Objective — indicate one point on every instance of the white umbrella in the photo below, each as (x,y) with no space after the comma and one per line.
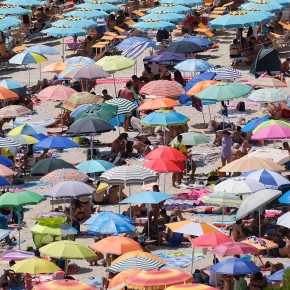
(277,155)
(284,220)
(197,229)
(239,186)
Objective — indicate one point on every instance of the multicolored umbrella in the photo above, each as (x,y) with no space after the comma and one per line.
(224,199)
(13,111)
(76,22)
(200,86)
(269,95)
(192,139)
(118,282)
(55,67)
(87,13)
(194,286)
(171,8)
(101,111)
(157,104)
(23,139)
(56,142)
(56,93)
(164,118)
(163,16)
(193,65)
(195,229)
(11,84)
(272,132)
(269,123)
(64,285)
(210,240)
(47,165)
(234,248)
(27,129)
(79,60)
(95,166)
(166,152)
(42,49)
(65,174)
(260,243)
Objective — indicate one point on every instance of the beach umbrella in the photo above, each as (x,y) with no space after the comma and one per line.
(162,88)
(24,3)
(158,279)
(34,266)
(158,103)
(183,2)
(63,31)
(56,93)
(164,16)
(253,124)
(13,10)
(199,40)
(116,245)
(260,243)
(16,255)
(112,64)
(165,152)
(98,5)
(234,248)
(136,260)
(261,5)
(270,123)
(241,19)
(45,166)
(39,136)
(7,22)
(42,49)
(87,13)
(56,142)
(256,201)
(4,234)
(196,229)
(171,8)
(279,156)
(272,132)
(224,91)
(284,219)
(106,216)
(128,42)
(269,95)
(110,224)
(246,163)
(102,111)
(5,171)
(3,181)
(192,139)
(14,86)
(135,50)
(184,47)
(147,197)
(194,286)
(225,73)
(118,281)
(87,73)
(152,24)
(164,118)
(79,60)
(64,174)
(235,266)
(27,129)
(54,67)
(200,86)
(17,200)
(193,65)
(210,240)
(168,58)
(13,111)
(23,139)
(63,230)
(124,106)
(64,285)
(7,143)
(81,98)
(75,22)
(95,166)
(239,186)
(223,199)
(285,198)
(277,276)
(6,161)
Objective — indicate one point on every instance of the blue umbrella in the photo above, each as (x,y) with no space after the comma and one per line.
(128,42)
(193,65)
(4,181)
(285,198)
(6,162)
(42,49)
(94,166)
(201,41)
(14,10)
(171,8)
(24,3)
(170,17)
(153,25)
(183,2)
(235,266)
(253,124)
(7,22)
(11,84)
(80,60)
(75,22)
(56,142)
(106,215)
(147,197)
(164,118)
(87,13)
(271,179)
(166,57)
(264,6)
(4,233)
(39,136)
(278,276)
(99,6)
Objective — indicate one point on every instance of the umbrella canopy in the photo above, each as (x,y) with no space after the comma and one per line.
(87,73)
(260,243)
(87,13)
(78,99)
(64,285)
(235,266)
(269,123)
(89,125)
(124,106)
(105,216)
(164,118)
(128,42)
(164,165)
(16,199)
(79,60)
(56,93)
(263,6)
(257,200)
(16,255)
(225,73)
(27,58)
(169,153)
(56,142)
(269,95)
(196,229)
(234,248)
(118,281)
(75,22)
(193,65)
(7,95)
(116,245)
(168,57)
(4,181)
(160,279)
(251,163)
(253,124)
(183,2)
(13,10)
(152,24)
(5,171)
(279,156)
(200,86)
(64,30)
(54,230)
(69,189)
(26,129)
(147,197)
(45,166)
(102,111)
(34,266)
(194,286)
(6,161)
(192,139)
(166,16)
(157,104)
(222,199)
(136,260)
(184,47)
(239,186)
(210,240)
(129,175)
(199,40)
(23,139)
(162,88)
(114,63)
(97,5)
(278,276)
(135,50)
(6,22)
(11,84)
(95,166)
(284,220)
(55,67)
(13,111)
(24,3)
(224,91)
(42,49)
(171,8)
(285,198)
(272,132)
(65,174)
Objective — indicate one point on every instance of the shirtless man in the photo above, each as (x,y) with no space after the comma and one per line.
(236,231)
(119,145)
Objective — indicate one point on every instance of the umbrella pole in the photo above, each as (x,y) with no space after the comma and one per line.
(19,225)
(259,222)
(148,225)
(28,75)
(130,203)
(65,266)
(40,71)
(192,257)
(63,48)
(91,145)
(115,85)
(223,219)
(164,181)
(203,118)
(209,111)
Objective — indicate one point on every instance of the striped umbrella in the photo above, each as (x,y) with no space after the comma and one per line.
(124,106)
(225,73)
(126,43)
(65,174)
(6,143)
(129,175)
(14,111)
(136,260)
(269,95)
(56,93)
(136,49)
(5,171)
(224,199)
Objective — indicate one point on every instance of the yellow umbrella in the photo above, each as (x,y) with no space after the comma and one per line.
(23,139)
(102,186)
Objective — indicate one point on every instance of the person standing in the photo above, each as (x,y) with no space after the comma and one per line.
(226,154)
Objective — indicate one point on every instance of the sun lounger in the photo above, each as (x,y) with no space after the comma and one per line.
(139,13)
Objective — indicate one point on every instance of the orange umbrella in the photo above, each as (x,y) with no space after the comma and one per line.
(116,245)
(55,67)
(5,171)
(158,103)
(158,279)
(260,243)
(64,285)
(7,95)
(176,225)
(197,88)
(118,282)
(19,48)
(191,287)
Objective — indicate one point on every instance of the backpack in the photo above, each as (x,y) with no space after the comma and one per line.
(241,107)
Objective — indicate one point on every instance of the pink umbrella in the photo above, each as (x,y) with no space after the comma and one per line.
(56,93)
(5,171)
(234,248)
(272,132)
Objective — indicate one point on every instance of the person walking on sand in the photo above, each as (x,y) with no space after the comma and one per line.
(226,154)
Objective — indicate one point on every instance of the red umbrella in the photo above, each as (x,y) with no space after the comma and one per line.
(164,165)
(210,240)
(234,248)
(56,93)
(169,153)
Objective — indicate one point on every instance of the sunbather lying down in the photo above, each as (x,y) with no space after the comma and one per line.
(208,210)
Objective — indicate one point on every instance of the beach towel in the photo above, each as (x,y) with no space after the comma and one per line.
(94,282)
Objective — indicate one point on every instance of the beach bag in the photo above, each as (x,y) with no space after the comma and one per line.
(241,107)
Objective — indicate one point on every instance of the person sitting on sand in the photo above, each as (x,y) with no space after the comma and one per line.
(257,282)
(236,152)
(39,86)
(119,145)
(236,231)
(116,194)
(255,226)
(237,135)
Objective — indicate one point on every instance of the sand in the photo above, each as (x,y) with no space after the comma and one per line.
(219,56)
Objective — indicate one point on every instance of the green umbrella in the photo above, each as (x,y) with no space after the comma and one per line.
(224,91)
(192,139)
(100,111)
(18,200)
